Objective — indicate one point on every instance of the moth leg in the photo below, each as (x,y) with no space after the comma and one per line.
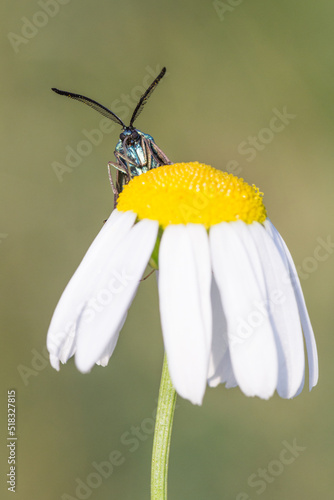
(148,275)
(109,174)
(122,173)
(118,166)
(161,156)
(122,164)
(113,187)
(145,145)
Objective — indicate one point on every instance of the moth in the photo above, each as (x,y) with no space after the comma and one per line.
(136,152)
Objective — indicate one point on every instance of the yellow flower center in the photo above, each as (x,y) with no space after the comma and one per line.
(191,192)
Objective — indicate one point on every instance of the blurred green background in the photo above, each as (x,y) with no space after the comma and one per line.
(230,64)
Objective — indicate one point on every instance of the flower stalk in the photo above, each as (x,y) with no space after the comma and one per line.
(162,435)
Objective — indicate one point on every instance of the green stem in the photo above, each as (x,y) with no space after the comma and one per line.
(162,436)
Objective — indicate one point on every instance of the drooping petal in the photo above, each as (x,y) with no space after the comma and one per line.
(240,280)
(106,355)
(66,347)
(304,317)
(103,314)
(224,373)
(63,327)
(185,308)
(284,314)
(220,367)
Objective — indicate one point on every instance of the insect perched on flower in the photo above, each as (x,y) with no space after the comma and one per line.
(135,152)
(231,306)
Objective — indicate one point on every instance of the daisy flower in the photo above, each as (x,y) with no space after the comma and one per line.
(231,305)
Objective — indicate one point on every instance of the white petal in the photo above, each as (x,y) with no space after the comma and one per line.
(62,330)
(240,280)
(224,373)
(104,360)
(220,368)
(185,308)
(103,314)
(54,361)
(283,313)
(304,317)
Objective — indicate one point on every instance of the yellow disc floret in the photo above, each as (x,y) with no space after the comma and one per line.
(191,193)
